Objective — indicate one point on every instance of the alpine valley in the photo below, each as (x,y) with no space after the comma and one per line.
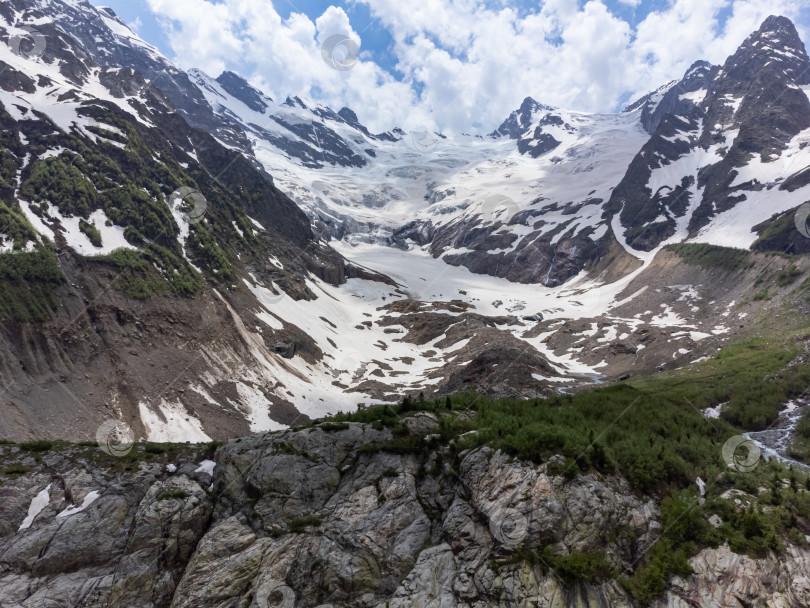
(183,254)
(335,267)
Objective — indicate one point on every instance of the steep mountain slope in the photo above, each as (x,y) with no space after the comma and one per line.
(105,39)
(106,275)
(730,137)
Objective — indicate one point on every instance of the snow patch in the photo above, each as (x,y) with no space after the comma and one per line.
(39,502)
(88,500)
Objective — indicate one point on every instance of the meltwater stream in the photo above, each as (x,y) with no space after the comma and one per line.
(775,440)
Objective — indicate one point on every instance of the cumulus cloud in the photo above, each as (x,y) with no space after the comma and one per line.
(135,25)
(463,65)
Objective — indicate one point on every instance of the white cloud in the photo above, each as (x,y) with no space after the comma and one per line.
(282,57)
(471,63)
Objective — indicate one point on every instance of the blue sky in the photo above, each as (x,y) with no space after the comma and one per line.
(376,38)
(453,64)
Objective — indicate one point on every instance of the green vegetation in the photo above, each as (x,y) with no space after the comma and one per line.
(712,256)
(650,430)
(15,226)
(331,427)
(663,560)
(28,281)
(576,567)
(788,275)
(151,271)
(582,567)
(91,231)
(16,469)
(213,259)
(37,446)
(779,234)
(300,524)
(131,184)
(752,377)
(173,495)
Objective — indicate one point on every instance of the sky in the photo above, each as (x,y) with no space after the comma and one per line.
(451,65)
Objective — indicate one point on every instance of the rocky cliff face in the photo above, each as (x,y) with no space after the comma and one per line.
(722,139)
(325,517)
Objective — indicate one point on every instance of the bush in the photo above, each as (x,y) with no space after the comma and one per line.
(761,295)
(332,427)
(173,495)
(37,446)
(662,561)
(582,568)
(300,524)
(713,256)
(27,283)
(91,231)
(788,275)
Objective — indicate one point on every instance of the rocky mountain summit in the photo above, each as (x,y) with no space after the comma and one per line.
(329,516)
(723,138)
